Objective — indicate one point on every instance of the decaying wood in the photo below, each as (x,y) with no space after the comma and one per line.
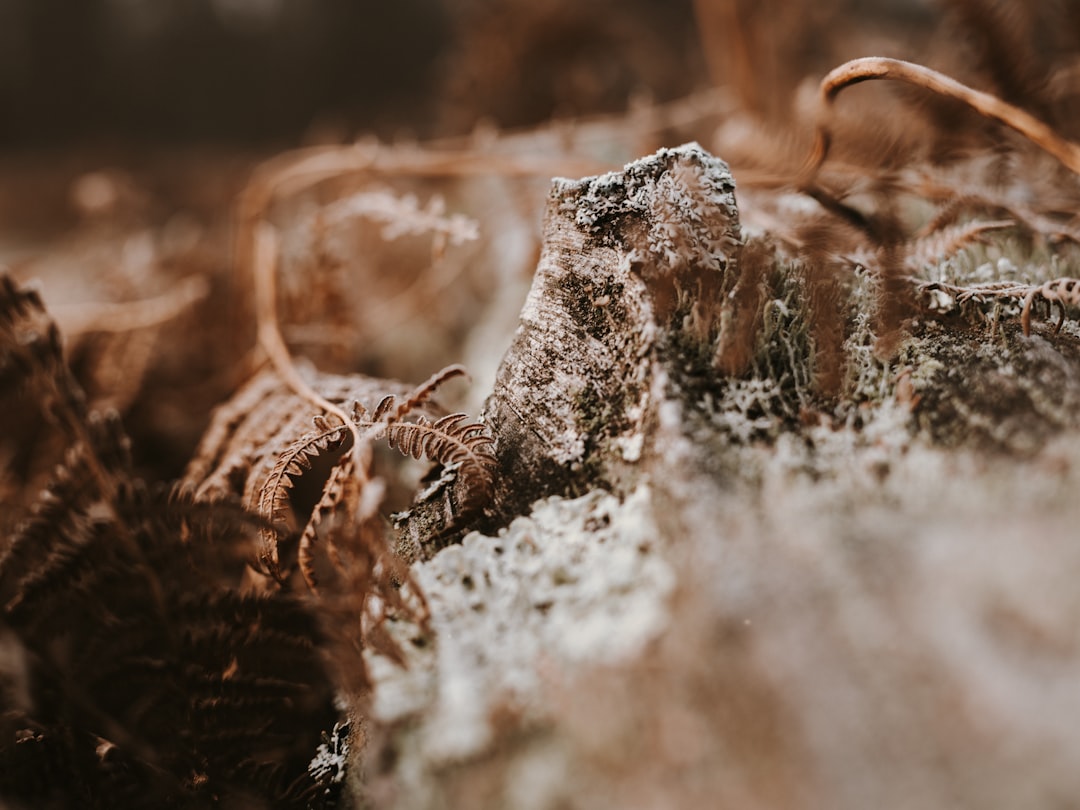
(628,290)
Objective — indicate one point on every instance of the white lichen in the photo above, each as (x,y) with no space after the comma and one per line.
(576,583)
(685,195)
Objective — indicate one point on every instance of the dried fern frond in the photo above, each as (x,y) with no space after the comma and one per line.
(385,419)
(345,558)
(163,661)
(295,466)
(153,681)
(1064,292)
(451,441)
(332,501)
(170,664)
(419,396)
(934,245)
(32,357)
(267,448)
(273,501)
(938,245)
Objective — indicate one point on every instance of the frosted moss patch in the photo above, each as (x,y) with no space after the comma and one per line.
(578,582)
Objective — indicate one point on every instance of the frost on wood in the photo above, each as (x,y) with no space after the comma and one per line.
(576,583)
(631,275)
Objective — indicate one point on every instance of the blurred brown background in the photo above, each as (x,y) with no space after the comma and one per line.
(258,71)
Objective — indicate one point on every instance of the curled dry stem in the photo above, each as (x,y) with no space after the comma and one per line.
(264,264)
(875,67)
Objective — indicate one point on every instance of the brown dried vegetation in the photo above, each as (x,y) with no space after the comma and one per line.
(907,182)
(184,645)
(139,671)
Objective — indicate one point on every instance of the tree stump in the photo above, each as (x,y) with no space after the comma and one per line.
(624,308)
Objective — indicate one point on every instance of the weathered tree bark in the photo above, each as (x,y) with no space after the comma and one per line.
(625,294)
(624,307)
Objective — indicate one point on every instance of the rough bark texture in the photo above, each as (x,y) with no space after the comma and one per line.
(745,587)
(632,263)
(625,300)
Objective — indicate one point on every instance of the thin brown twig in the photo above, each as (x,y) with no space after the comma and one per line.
(876,67)
(264,265)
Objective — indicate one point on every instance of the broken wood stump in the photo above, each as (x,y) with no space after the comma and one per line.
(625,300)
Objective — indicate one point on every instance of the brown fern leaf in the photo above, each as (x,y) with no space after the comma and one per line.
(69,493)
(382,410)
(32,359)
(456,444)
(957,204)
(423,392)
(261,447)
(933,247)
(1065,292)
(37,384)
(153,681)
(343,555)
(346,544)
(251,431)
(27,335)
(334,493)
(227,419)
(450,441)
(386,412)
(163,660)
(1054,222)
(274,497)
